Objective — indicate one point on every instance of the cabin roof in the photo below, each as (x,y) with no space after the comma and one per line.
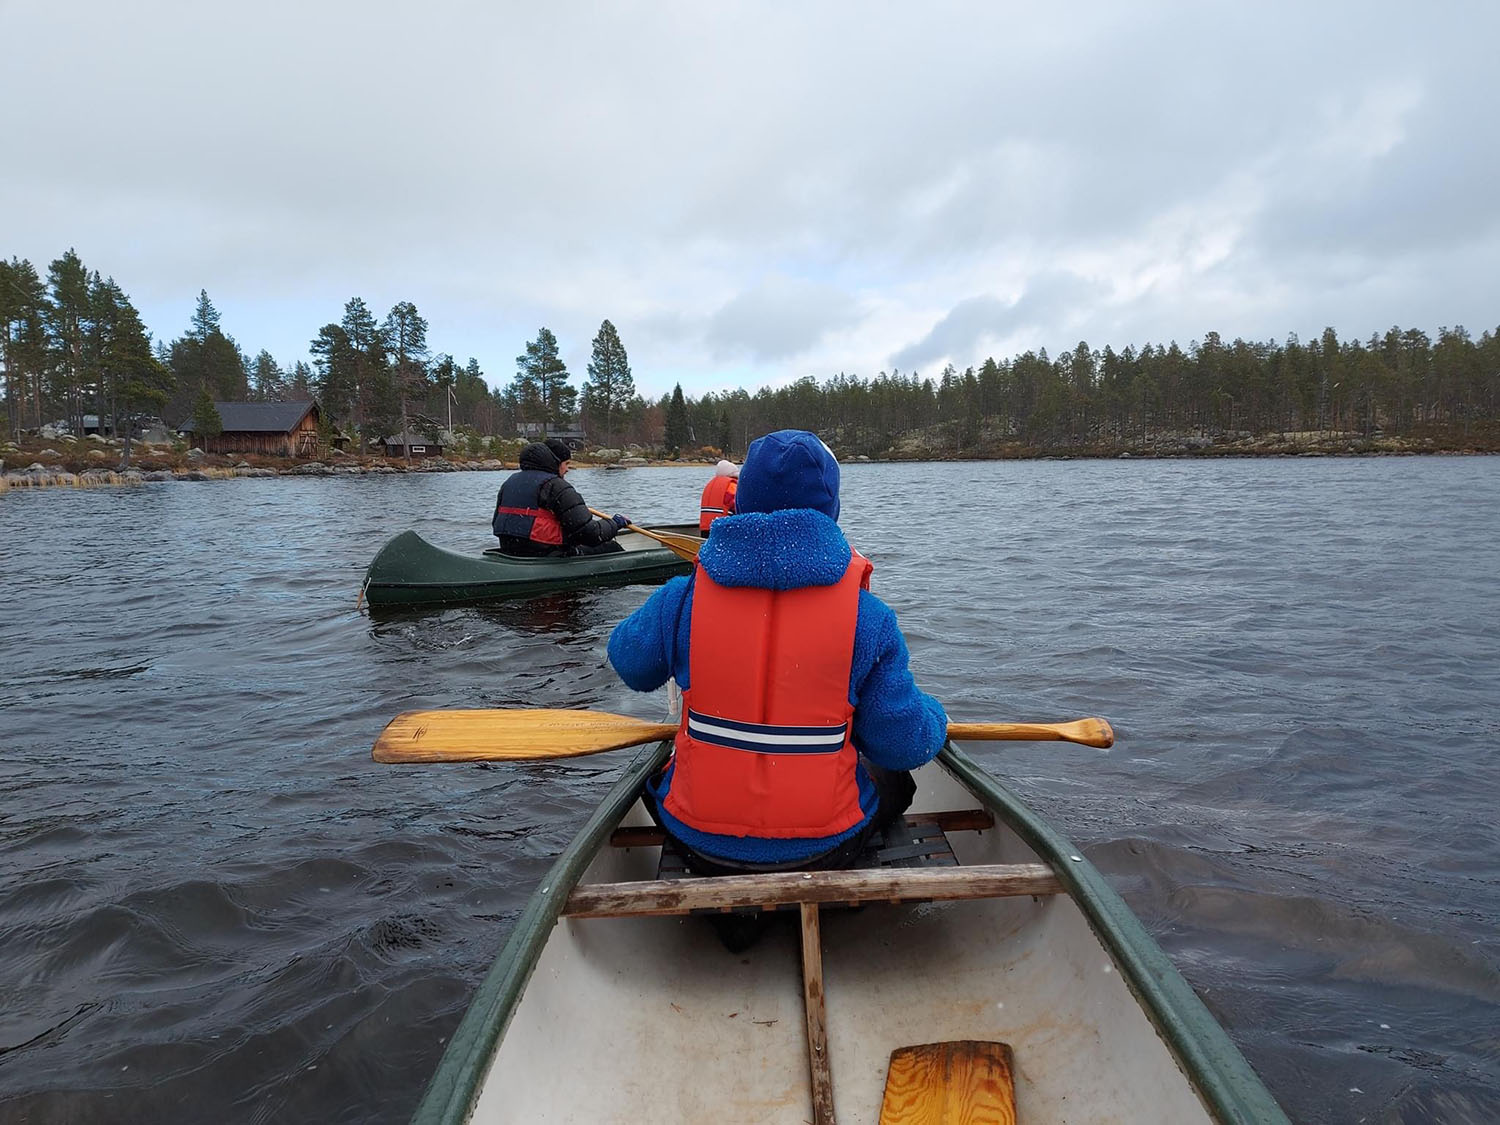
(411,438)
(258,417)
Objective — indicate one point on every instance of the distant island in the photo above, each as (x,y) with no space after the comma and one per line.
(85,383)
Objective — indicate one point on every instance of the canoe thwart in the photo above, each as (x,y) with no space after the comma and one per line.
(726,892)
(963,1082)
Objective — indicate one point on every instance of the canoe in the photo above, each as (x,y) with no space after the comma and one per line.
(1009,969)
(409,571)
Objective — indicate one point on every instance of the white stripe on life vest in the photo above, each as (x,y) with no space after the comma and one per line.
(719,511)
(835,738)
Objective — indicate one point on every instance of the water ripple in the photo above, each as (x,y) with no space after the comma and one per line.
(210,897)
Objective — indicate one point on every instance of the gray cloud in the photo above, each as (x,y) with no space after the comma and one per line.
(779,319)
(973,327)
(508,166)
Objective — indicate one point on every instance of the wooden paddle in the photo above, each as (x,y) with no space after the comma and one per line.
(517,735)
(683,546)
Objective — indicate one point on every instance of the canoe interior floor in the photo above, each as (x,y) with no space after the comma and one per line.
(935,1084)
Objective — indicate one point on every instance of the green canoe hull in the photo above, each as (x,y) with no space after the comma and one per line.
(409,571)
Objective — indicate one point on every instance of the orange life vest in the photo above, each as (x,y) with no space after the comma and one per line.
(718,500)
(765,745)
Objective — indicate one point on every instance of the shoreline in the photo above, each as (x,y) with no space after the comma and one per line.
(88,468)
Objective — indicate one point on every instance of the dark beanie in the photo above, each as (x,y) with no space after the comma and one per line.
(789,469)
(559,448)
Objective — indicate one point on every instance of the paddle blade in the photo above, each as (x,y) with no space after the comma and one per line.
(683,546)
(509,735)
(1085,732)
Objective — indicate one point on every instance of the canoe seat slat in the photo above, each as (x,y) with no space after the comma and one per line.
(919,884)
(964,1082)
(921,825)
(937,850)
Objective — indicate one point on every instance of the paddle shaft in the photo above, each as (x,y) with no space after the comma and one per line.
(682,546)
(501,735)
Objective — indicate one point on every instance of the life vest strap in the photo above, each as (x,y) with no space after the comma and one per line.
(766,738)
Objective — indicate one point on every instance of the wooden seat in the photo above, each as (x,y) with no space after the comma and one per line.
(963,1082)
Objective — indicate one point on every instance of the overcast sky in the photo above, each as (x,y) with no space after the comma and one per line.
(756,192)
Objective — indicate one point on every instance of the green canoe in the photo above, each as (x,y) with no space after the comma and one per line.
(409,571)
(610,1003)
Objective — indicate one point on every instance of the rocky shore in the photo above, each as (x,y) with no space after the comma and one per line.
(94,462)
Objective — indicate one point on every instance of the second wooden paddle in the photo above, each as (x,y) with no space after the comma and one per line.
(524,735)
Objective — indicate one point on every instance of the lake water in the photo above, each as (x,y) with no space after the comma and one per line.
(214,906)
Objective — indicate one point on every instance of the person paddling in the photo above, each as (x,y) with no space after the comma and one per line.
(718,495)
(800,715)
(539,514)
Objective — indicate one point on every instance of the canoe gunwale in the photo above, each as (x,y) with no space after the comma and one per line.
(455,1085)
(1224,1080)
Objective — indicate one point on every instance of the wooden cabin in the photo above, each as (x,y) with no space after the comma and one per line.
(541,431)
(409,444)
(280,429)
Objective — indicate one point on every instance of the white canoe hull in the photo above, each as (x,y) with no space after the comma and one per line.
(651,1019)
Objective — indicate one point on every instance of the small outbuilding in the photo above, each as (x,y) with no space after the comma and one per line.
(409,444)
(281,429)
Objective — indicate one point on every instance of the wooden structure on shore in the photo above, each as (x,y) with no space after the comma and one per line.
(279,429)
(411,444)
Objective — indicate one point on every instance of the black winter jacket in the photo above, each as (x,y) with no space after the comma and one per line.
(560,498)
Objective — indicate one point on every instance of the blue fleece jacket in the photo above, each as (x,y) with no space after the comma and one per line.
(895,724)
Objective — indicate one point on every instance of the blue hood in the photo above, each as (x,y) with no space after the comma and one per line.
(775,550)
(789,469)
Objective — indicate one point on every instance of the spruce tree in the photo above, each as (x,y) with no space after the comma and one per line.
(677,422)
(333,356)
(206,420)
(266,378)
(609,385)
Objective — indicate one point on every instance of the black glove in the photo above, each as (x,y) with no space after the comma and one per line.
(621,522)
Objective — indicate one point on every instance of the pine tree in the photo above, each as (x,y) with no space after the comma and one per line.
(405,336)
(23,341)
(130,372)
(609,385)
(677,422)
(373,388)
(541,382)
(67,316)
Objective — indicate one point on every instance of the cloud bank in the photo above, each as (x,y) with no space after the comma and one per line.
(756,192)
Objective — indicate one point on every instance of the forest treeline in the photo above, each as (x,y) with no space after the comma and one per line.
(72,344)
